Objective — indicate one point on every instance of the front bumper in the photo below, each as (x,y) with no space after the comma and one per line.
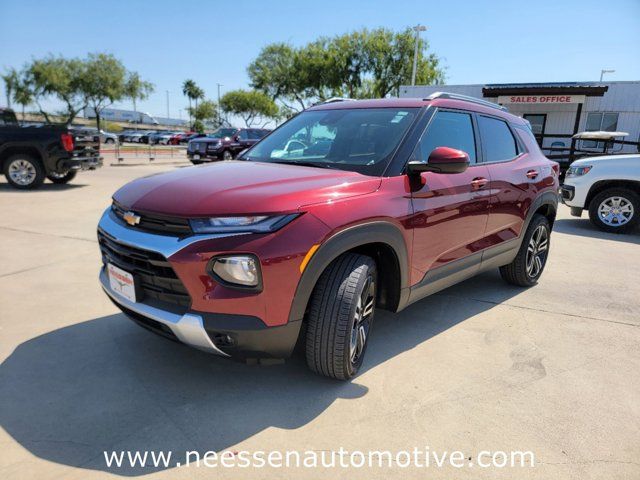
(209,155)
(241,334)
(187,328)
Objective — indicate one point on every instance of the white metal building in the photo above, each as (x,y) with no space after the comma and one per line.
(559,108)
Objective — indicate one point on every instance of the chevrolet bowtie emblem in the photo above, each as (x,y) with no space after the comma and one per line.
(131,218)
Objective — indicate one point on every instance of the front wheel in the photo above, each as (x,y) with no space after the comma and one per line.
(616,210)
(527,267)
(64,177)
(227,155)
(340,316)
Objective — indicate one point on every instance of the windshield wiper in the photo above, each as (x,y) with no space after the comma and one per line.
(303,163)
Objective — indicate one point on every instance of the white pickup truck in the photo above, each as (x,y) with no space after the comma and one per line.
(608,186)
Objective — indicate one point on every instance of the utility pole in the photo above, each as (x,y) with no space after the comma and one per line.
(602,72)
(168,116)
(418,28)
(219,108)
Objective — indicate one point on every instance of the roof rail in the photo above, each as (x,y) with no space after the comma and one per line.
(465,98)
(335,99)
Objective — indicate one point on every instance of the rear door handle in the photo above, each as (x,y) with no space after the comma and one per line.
(478,183)
(532,174)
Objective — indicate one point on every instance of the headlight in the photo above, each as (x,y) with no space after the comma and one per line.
(248,224)
(578,171)
(239,270)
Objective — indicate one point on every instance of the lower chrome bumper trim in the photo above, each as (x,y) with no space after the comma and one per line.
(189,328)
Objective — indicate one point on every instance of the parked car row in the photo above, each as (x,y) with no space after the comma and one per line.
(87,134)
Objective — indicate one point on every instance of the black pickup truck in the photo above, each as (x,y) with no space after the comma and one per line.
(30,154)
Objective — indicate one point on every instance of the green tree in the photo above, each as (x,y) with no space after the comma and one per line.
(274,73)
(207,111)
(104,82)
(137,89)
(361,64)
(252,106)
(10,79)
(61,78)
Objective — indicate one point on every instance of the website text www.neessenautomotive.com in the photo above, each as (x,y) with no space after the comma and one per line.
(339,459)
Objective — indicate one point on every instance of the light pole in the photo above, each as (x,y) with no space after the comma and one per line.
(418,28)
(168,116)
(602,72)
(219,109)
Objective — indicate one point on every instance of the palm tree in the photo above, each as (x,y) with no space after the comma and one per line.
(188,88)
(198,94)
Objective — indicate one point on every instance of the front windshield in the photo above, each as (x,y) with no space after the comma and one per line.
(356,139)
(223,132)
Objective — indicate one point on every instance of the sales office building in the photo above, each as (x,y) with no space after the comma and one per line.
(559,108)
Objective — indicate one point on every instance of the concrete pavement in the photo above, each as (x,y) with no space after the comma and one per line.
(554,369)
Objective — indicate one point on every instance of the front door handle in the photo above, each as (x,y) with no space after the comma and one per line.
(532,174)
(478,183)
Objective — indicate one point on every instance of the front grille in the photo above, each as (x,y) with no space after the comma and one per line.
(153,274)
(153,222)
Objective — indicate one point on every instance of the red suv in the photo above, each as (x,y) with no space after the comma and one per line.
(347,207)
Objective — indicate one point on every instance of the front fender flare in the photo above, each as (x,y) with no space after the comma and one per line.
(341,242)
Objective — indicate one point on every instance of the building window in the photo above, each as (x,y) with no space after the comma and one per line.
(600,122)
(538,121)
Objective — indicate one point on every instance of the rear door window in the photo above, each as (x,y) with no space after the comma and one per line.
(498,142)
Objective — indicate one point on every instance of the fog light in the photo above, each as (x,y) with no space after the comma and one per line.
(241,270)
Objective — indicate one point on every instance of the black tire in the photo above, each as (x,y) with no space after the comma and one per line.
(631,202)
(33,165)
(62,178)
(227,155)
(341,310)
(109,140)
(521,272)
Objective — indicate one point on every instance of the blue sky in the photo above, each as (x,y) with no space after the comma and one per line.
(214,41)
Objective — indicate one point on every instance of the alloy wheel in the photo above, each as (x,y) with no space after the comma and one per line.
(22,172)
(537,251)
(615,211)
(363,316)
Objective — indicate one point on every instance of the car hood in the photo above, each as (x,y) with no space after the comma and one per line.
(241,187)
(605,159)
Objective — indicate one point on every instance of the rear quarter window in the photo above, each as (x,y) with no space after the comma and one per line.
(498,142)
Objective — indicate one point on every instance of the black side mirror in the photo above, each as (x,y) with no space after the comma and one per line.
(441,160)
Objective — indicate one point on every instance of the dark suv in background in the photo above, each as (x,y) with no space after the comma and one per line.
(224,144)
(347,207)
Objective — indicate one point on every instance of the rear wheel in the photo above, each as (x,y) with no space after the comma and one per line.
(527,267)
(615,210)
(340,316)
(24,172)
(227,155)
(64,177)
(109,140)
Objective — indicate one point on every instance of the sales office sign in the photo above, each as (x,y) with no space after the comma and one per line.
(541,99)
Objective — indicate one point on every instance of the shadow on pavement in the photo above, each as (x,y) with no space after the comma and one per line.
(46,186)
(106,384)
(584,228)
